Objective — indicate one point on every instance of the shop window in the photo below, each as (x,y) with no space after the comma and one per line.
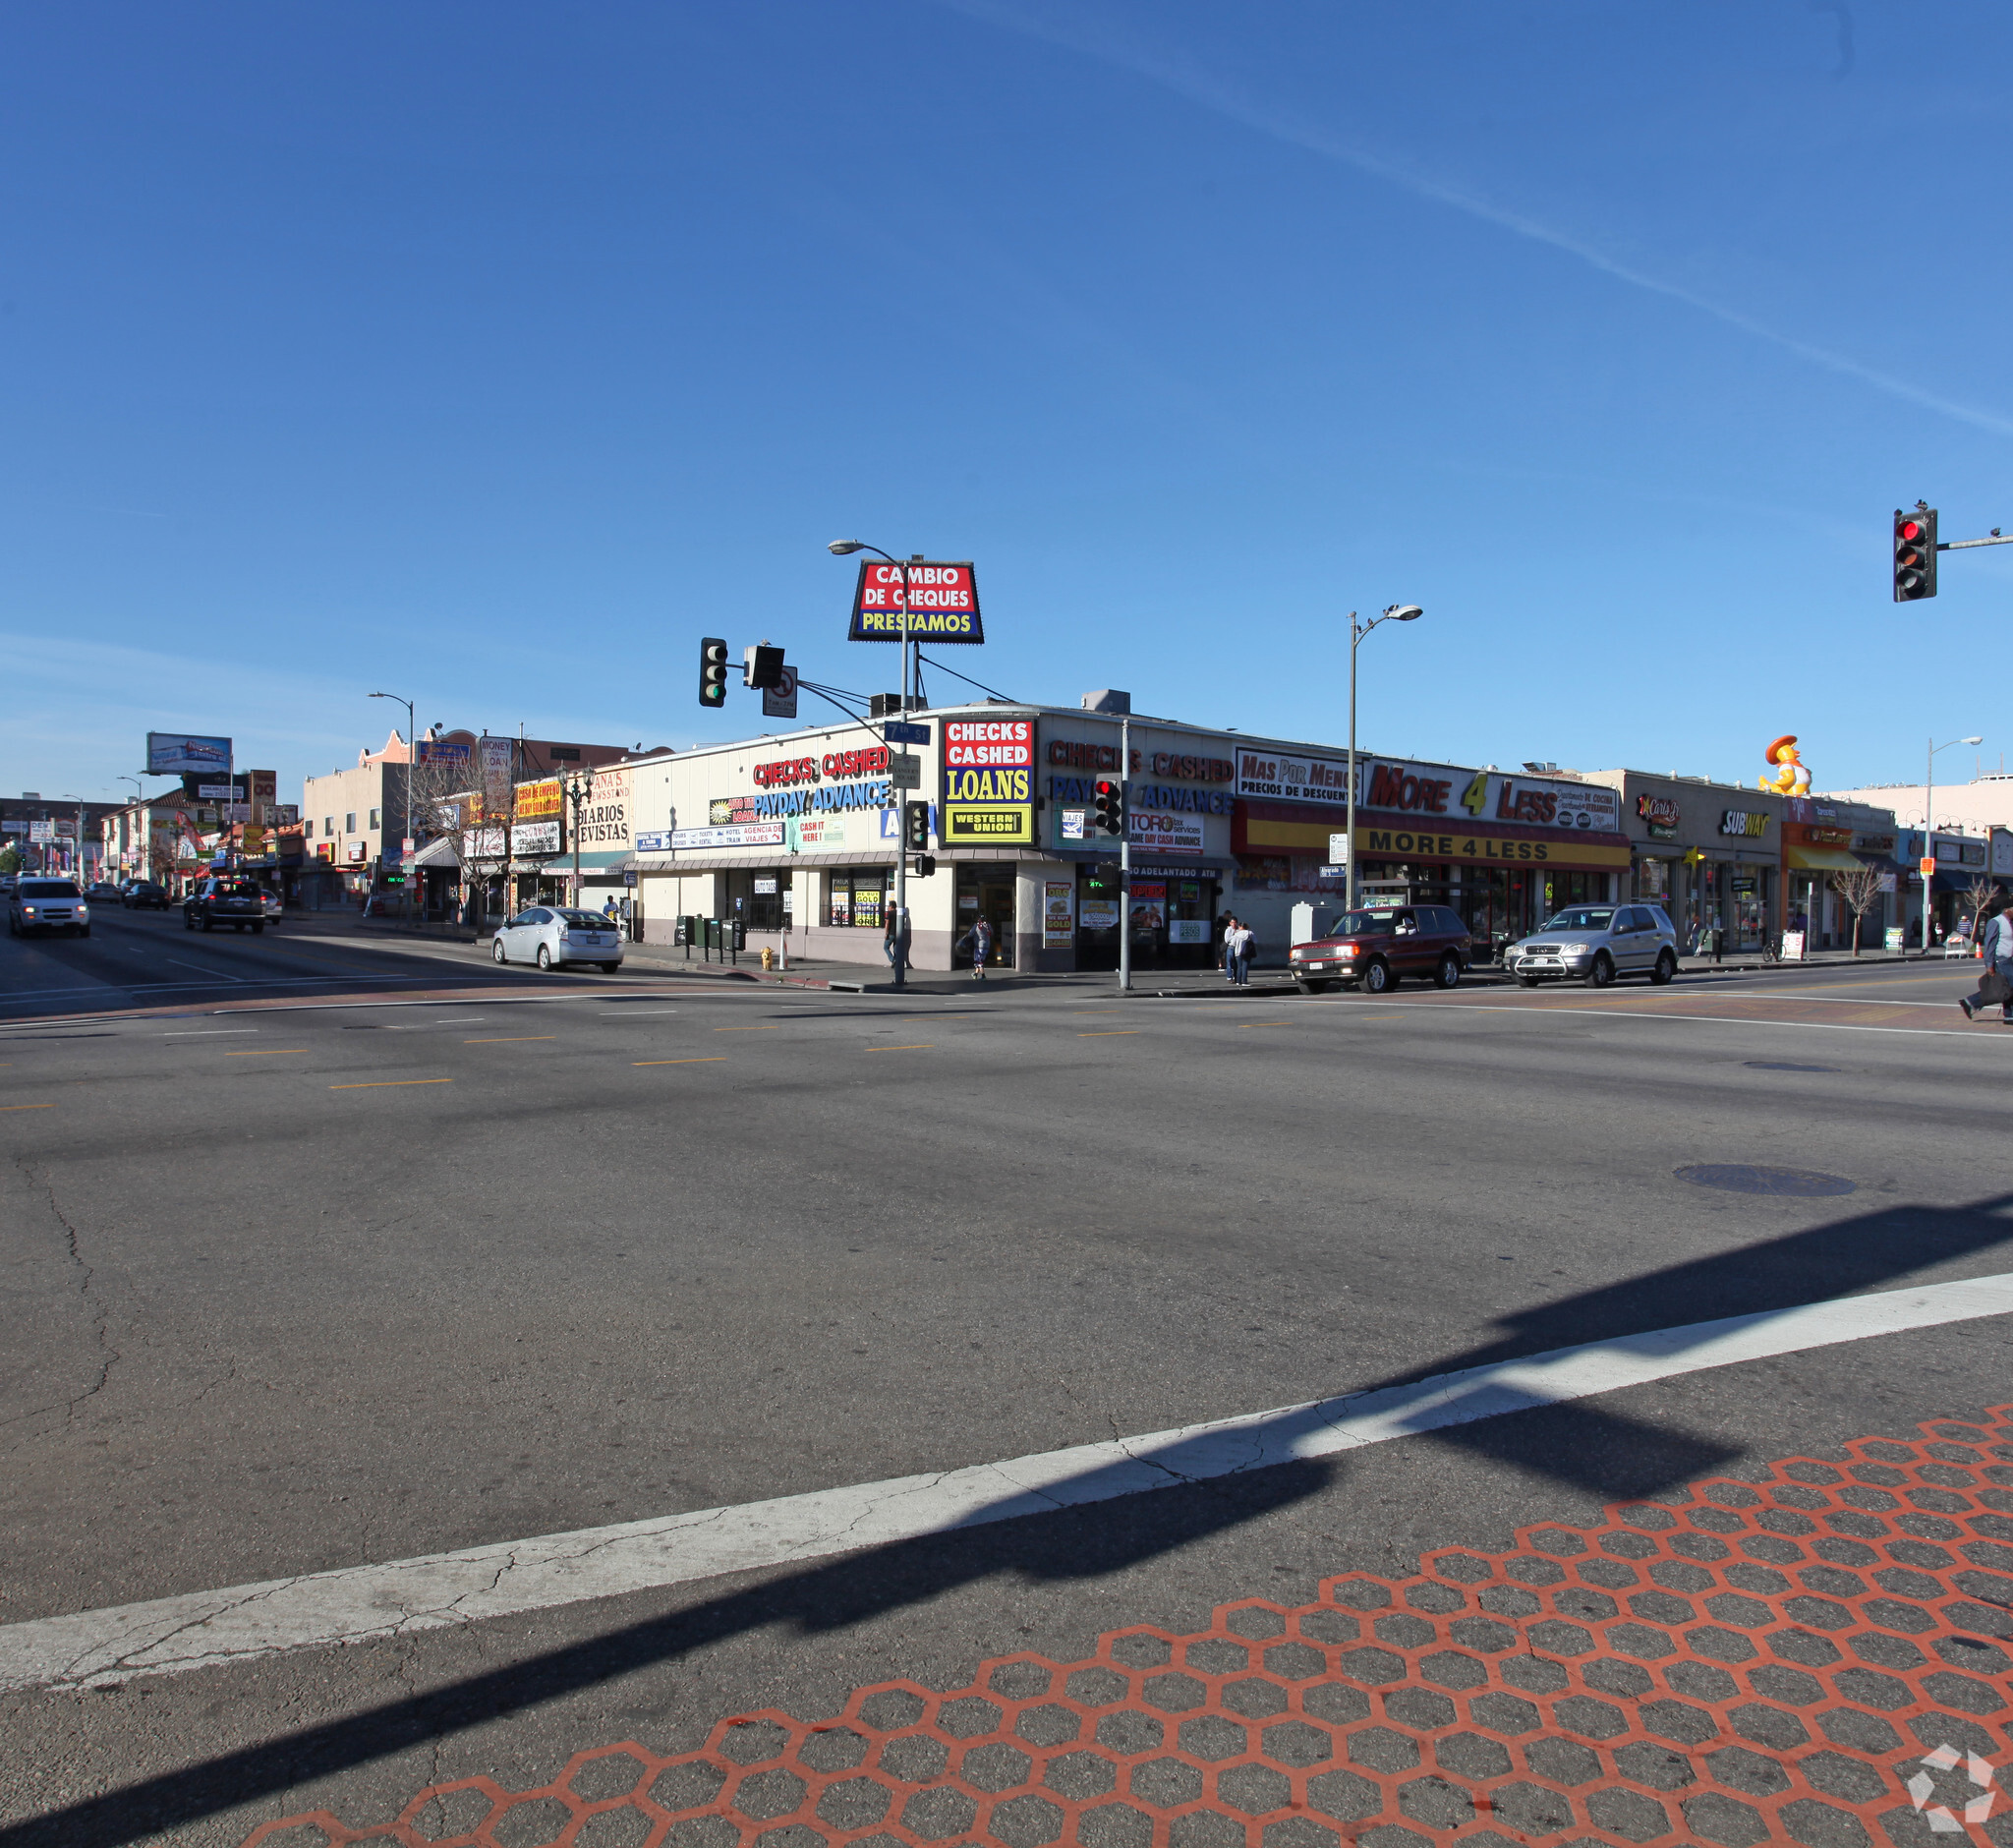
(1654,880)
(856,900)
(769,902)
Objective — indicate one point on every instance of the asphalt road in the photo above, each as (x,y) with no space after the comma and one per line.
(341,1274)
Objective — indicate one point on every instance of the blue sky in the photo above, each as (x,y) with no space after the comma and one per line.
(497,353)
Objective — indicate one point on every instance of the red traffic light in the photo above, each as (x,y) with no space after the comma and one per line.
(1915,554)
(1910,529)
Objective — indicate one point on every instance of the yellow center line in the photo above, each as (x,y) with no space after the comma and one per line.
(514,1039)
(28,1106)
(714,1059)
(379,1084)
(1244,1027)
(267,1052)
(1110,1033)
(925,1046)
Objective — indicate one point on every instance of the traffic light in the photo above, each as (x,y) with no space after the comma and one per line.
(915,826)
(712,671)
(1110,806)
(925,866)
(1914,553)
(764,668)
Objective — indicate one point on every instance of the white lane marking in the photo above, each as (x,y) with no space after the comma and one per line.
(216,975)
(1720,1019)
(356,1603)
(207,1032)
(639,1013)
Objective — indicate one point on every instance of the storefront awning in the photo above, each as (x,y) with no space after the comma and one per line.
(1822,860)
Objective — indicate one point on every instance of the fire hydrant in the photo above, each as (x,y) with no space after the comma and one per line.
(767,958)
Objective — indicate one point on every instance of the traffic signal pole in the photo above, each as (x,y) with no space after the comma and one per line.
(1126,858)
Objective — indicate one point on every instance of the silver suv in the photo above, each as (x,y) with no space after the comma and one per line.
(1595,942)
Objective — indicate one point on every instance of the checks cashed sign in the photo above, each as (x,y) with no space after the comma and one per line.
(988,783)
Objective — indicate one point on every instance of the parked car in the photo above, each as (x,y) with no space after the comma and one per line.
(46,905)
(1376,947)
(552,935)
(1594,944)
(273,906)
(100,889)
(228,900)
(143,894)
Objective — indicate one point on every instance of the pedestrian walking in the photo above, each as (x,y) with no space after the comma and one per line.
(1237,953)
(1223,921)
(980,937)
(1996,981)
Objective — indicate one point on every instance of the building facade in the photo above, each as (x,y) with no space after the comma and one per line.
(798,835)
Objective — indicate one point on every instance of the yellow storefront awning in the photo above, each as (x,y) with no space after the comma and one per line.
(1823,860)
(1380,840)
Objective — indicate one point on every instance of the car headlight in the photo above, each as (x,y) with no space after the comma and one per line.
(28,910)
(84,910)
(1348,950)
(1575,950)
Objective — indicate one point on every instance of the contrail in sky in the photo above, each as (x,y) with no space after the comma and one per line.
(1212,93)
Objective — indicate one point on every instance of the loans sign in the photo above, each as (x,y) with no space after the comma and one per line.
(988,783)
(943,603)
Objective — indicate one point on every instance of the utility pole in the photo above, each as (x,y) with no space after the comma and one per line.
(579,787)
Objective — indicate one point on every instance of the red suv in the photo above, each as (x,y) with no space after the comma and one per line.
(1376,947)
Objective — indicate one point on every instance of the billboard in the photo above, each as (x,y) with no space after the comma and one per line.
(943,603)
(180,753)
(433,751)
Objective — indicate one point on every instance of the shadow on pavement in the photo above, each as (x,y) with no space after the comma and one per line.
(1596,1450)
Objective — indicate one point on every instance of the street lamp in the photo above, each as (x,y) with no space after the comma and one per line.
(70,796)
(1928,832)
(412,758)
(840,548)
(144,817)
(1396,612)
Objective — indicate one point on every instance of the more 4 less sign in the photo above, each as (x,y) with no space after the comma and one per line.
(988,783)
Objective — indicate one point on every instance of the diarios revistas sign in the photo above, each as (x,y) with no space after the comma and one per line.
(943,603)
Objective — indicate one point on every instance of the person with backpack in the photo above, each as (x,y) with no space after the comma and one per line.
(980,938)
(1996,981)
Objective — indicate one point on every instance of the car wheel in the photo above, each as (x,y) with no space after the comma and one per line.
(498,949)
(1449,972)
(209,922)
(84,930)
(1378,978)
(188,920)
(1602,972)
(1666,968)
(545,956)
(1526,981)
(259,930)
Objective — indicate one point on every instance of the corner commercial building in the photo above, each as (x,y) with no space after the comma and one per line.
(798,835)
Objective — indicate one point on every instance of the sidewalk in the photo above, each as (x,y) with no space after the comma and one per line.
(1805,1656)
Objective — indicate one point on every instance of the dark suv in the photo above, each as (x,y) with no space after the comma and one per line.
(227,901)
(1376,947)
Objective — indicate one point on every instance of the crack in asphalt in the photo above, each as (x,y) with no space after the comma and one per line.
(108,1355)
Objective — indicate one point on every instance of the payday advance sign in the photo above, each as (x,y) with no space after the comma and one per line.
(988,783)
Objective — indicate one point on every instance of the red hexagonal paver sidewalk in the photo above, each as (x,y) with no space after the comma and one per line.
(1758,1663)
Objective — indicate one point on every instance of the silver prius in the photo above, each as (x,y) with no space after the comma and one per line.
(1594,944)
(552,935)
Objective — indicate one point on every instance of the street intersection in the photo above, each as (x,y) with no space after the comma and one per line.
(439,1394)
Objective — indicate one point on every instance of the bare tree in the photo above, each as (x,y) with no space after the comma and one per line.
(1978,898)
(1858,889)
(446,808)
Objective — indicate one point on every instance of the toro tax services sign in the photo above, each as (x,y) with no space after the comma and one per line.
(988,783)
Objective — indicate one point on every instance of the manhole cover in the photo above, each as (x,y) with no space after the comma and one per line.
(1743,1177)
(1779,1065)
